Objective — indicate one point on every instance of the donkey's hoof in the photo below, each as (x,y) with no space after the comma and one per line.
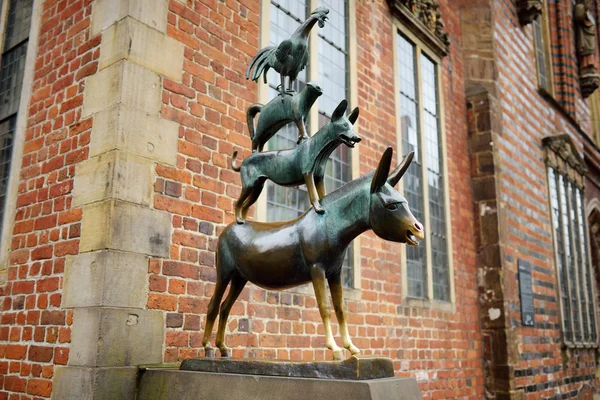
(240,221)
(209,352)
(353,350)
(225,352)
(338,355)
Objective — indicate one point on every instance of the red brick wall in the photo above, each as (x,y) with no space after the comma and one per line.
(527,117)
(442,349)
(35,332)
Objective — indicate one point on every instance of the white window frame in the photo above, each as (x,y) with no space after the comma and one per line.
(420,47)
(19,138)
(313,71)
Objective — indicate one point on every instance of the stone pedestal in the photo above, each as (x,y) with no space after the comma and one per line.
(172,384)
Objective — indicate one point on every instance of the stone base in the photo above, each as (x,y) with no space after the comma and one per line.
(171,384)
(354,368)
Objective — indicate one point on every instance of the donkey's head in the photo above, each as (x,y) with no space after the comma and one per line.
(341,127)
(389,215)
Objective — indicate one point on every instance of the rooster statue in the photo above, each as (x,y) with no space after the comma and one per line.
(291,56)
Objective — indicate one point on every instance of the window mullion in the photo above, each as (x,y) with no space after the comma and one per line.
(587,262)
(573,220)
(557,234)
(563,229)
(423,144)
(571,264)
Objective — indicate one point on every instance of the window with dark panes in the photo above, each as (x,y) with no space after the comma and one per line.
(543,51)
(427,265)
(565,185)
(332,57)
(12,67)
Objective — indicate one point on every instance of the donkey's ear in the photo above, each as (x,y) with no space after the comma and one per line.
(340,110)
(353,116)
(398,172)
(382,171)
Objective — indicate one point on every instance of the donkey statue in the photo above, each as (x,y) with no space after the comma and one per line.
(311,248)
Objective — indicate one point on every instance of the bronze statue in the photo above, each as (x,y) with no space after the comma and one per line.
(291,56)
(311,248)
(293,167)
(279,112)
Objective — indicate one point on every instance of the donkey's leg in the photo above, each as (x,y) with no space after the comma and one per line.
(237,284)
(318,280)
(211,315)
(335,286)
(309,179)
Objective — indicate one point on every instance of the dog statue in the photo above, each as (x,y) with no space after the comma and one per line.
(303,164)
(280,111)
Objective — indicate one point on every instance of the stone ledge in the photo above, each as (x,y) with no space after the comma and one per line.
(164,384)
(354,368)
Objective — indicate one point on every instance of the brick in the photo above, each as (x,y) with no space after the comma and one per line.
(39,387)
(162,302)
(40,353)
(53,317)
(180,269)
(15,352)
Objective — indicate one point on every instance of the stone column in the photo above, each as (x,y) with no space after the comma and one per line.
(106,284)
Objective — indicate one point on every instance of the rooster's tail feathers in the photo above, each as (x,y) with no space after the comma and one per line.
(259,68)
(258,59)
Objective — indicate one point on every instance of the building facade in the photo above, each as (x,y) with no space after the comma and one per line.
(118,121)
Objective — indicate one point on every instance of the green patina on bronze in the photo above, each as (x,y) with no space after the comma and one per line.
(304,164)
(279,112)
(310,248)
(354,368)
(291,56)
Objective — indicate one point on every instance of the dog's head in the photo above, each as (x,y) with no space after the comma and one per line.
(343,126)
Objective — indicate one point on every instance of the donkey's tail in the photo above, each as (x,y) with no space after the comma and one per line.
(250,114)
(234,165)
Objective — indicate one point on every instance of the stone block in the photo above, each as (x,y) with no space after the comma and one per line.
(114,175)
(136,132)
(169,384)
(151,12)
(115,337)
(118,225)
(132,40)
(105,278)
(123,83)
(79,383)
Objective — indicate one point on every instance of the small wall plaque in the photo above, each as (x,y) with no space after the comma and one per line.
(526,293)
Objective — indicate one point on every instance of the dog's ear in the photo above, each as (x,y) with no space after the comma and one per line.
(340,110)
(353,116)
